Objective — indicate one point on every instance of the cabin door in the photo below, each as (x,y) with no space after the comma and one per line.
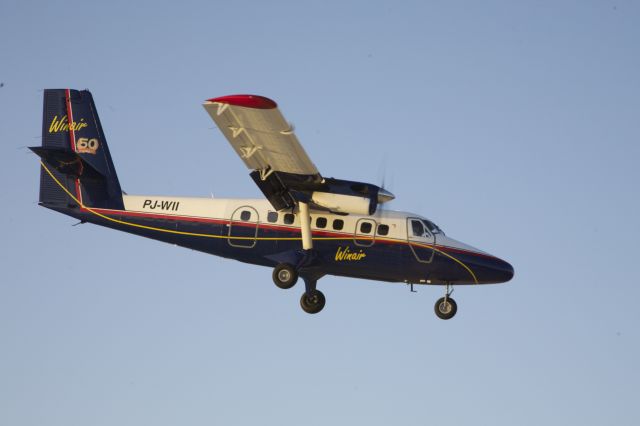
(243,227)
(421,241)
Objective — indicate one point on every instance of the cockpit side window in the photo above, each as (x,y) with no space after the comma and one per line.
(432,226)
(418,228)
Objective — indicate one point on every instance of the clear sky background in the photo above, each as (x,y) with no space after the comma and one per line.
(514,126)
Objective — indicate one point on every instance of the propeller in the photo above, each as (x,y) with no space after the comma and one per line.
(384,195)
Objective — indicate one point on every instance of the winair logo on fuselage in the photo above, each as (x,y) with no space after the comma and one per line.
(344,254)
(62,124)
(161,205)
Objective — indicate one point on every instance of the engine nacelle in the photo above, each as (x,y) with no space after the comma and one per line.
(284,190)
(341,203)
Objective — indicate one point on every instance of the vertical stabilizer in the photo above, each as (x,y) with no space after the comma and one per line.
(75,152)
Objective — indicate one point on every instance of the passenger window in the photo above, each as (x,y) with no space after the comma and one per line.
(338,224)
(272,217)
(288,218)
(245,215)
(383,229)
(321,222)
(418,228)
(365,227)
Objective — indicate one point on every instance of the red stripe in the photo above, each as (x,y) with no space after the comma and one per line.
(160,216)
(72,138)
(448,249)
(282,228)
(78,192)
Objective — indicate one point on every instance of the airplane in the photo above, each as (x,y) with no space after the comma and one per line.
(307,226)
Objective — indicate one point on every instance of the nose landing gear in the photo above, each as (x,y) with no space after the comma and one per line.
(446,307)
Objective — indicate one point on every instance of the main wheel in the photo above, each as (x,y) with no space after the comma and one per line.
(312,302)
(446,308)
(285,276)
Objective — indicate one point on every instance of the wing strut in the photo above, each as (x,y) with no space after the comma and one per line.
(305,226)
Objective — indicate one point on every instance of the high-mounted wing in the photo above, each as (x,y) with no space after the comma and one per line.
(281,168)
(260,135)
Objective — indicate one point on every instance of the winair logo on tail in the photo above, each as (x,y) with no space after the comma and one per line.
(161,205)
(62,124)
(344,254)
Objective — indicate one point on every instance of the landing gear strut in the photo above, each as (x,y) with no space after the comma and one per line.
(285,275)
(446,307)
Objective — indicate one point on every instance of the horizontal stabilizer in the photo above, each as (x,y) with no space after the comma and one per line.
(67,162)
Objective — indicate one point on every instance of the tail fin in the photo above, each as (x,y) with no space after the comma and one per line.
(77,166)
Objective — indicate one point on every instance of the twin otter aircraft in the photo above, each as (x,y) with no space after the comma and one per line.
(308,226)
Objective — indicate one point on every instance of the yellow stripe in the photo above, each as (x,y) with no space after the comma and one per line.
(475,280)
(194,234)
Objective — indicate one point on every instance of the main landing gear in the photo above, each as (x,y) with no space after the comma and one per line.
(286,275)
(312,301)
(446,307)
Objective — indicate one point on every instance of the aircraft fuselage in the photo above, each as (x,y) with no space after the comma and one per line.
(382,246)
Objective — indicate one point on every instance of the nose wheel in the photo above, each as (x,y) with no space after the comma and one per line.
(446,307)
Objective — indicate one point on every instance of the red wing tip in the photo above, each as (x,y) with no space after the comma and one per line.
(248,101)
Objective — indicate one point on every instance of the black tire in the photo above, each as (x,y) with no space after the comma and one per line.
(285,276)
(313,302)
(446,308)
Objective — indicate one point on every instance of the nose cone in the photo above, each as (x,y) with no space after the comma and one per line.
(491,270)
(501,271)
(485,268)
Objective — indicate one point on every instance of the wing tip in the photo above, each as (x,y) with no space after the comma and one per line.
(248,101)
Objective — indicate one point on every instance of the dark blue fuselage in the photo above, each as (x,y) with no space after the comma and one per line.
(383,259)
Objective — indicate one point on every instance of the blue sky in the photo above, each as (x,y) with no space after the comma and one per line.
(513,125)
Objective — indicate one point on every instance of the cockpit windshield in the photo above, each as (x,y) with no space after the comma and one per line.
(432,227)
